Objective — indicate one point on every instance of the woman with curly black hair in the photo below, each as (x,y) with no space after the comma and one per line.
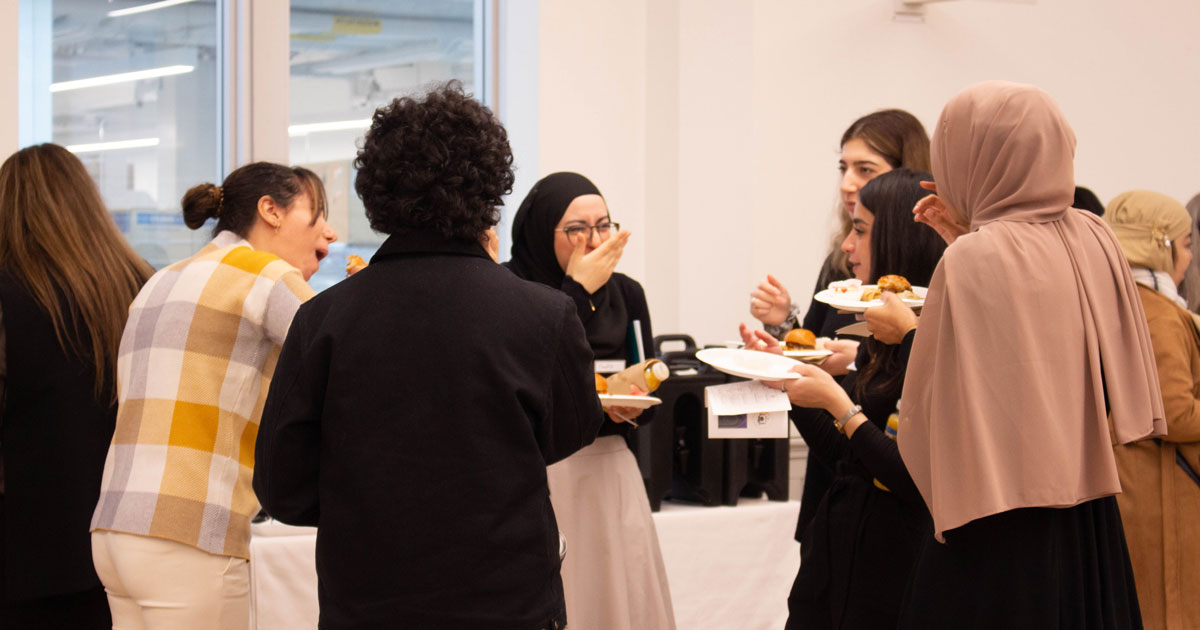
(613,574)
(417,404)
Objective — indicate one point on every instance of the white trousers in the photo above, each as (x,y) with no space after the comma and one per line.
(157,584)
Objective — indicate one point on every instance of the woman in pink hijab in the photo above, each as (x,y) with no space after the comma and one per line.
(1031,359)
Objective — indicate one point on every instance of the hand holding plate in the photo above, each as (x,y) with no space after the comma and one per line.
(844,353)
(892,321)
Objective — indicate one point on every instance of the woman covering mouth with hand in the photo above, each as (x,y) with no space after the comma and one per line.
(613,574)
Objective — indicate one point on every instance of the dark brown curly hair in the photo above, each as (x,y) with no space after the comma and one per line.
(437,162)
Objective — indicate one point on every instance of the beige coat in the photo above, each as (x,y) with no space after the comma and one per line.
(1160,504)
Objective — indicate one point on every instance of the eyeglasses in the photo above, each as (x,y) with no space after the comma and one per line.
(579,232)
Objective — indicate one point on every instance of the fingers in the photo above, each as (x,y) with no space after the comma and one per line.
(776,284)
(765,297)
(578,253)
(926,202)
(766,338)
(747,336)
(805,369)
(767,289)
(929,186)
(609,252)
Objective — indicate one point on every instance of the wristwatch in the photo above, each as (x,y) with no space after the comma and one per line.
(840,423)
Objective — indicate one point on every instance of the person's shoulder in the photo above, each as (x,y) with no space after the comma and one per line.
(626,284)
(1161,311)
(524,289)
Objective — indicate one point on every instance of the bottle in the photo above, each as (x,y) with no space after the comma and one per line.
(647,376)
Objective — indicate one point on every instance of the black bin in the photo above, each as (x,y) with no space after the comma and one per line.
(754,467)
(676,457)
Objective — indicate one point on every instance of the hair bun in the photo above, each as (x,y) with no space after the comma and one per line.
(201,203)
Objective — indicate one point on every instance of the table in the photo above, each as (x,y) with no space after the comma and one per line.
(728,567)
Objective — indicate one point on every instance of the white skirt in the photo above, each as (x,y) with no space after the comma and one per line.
(613,575)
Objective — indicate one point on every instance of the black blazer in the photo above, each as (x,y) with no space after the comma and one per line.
(55,438)
(411,417)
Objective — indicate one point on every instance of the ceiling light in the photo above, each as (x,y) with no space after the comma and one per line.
(147,7)
(340,125)
(123,77)
(139,143)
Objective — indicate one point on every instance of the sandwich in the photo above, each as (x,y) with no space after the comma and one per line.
(800,339)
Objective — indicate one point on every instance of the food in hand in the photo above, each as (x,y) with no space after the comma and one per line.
(896,284)
(354,263)
(800,339)
(601,384)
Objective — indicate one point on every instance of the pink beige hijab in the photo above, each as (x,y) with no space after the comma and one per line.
(1032,318)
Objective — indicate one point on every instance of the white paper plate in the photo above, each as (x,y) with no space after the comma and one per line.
(808,356)
(637,402)
(852,301)
(760,366)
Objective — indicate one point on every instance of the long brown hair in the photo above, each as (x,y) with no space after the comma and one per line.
(58,240)
(902,141)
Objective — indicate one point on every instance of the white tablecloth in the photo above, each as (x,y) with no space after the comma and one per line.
(728,567)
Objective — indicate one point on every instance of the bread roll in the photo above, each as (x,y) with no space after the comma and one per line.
(800,339)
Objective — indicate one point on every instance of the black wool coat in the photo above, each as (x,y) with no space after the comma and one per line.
(411,417)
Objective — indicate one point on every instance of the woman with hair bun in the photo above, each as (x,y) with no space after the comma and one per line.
(66,281)
(171,532)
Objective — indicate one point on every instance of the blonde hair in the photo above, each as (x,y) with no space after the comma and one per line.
(59,242)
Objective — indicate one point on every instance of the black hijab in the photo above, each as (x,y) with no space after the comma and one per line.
(533,258)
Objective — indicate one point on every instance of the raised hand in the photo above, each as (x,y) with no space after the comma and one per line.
(939,215)
(770,302)
(759,340)
(594,269)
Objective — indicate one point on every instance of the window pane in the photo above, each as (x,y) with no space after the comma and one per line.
(134,94)
(347,59)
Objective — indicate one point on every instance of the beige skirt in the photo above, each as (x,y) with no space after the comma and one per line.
(613,575)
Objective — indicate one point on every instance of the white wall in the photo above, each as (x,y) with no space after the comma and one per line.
(591,105)
(712,125)
(8,59)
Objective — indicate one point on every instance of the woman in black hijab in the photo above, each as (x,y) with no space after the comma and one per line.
(613,575)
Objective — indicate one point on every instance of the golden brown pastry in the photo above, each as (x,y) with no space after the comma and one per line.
(354,263)
(800,339)
(895,284)
(601,384)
